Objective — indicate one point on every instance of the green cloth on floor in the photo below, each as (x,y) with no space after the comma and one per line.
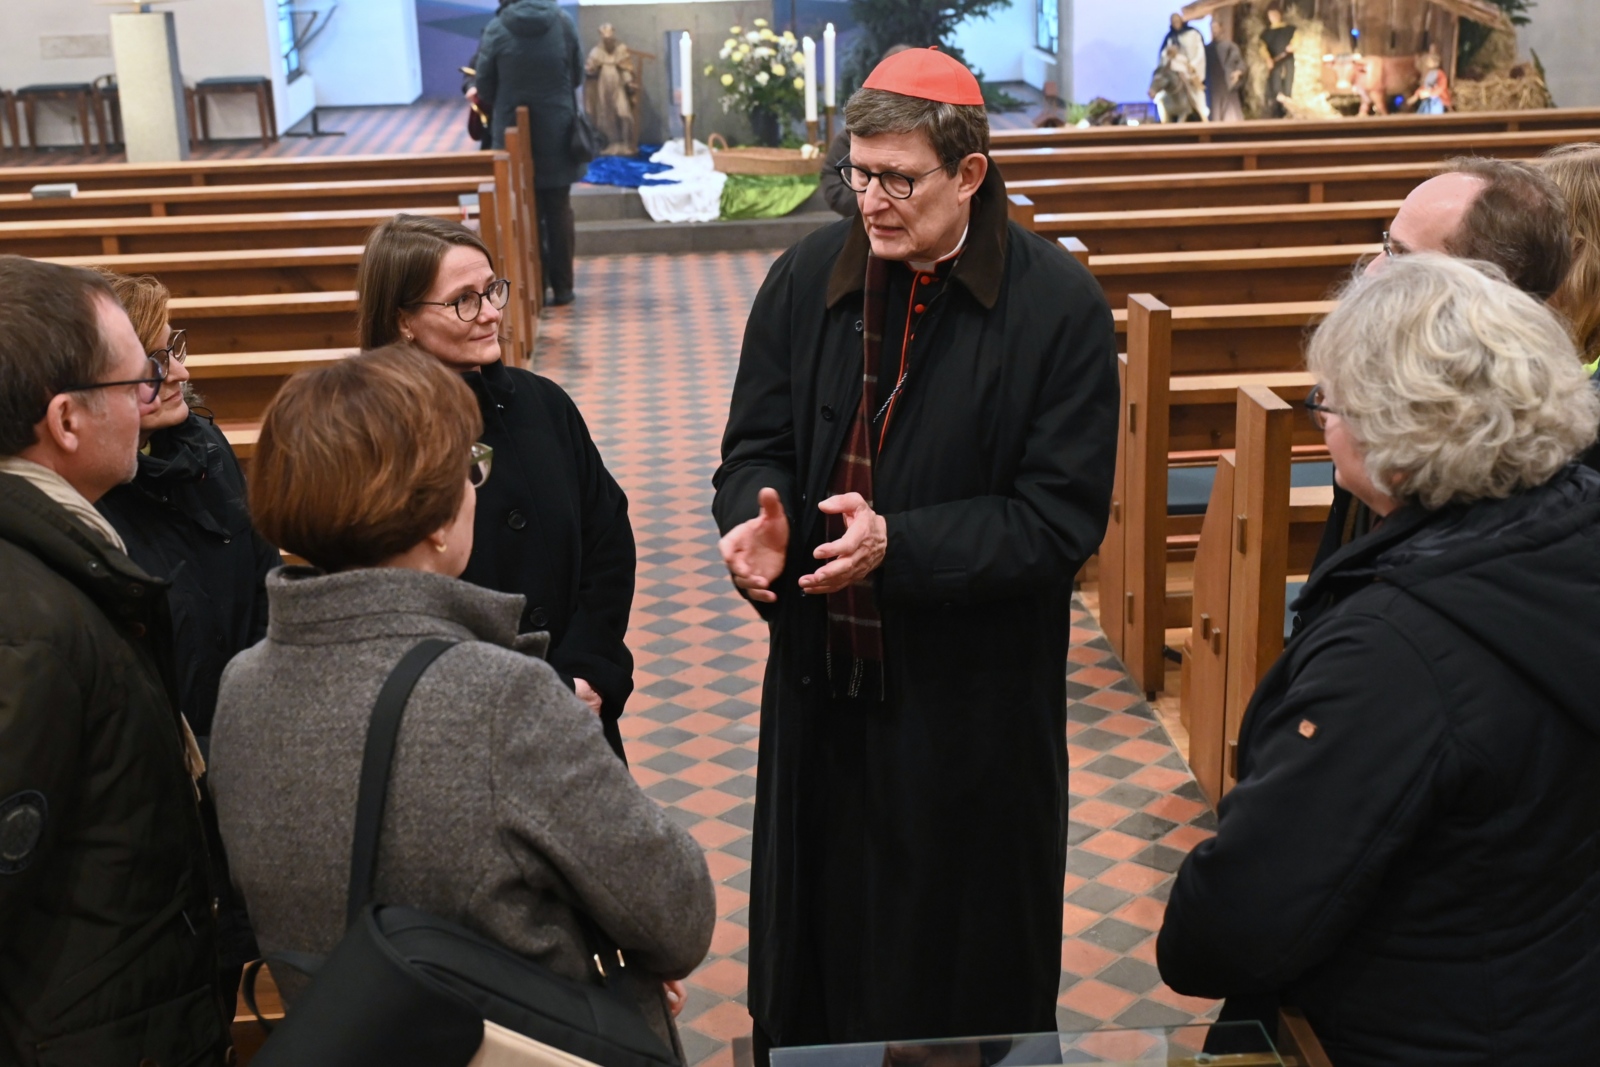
(765,196)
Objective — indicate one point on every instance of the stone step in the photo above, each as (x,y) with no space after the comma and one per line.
(623,236)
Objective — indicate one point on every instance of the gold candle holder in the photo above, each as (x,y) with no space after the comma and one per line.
(811,131)
(830,128)
(688,136)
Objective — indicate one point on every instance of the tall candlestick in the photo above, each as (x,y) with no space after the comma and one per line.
(830,92)
(809,47)
(686,75)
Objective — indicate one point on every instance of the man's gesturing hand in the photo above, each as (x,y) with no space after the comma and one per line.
(755,550)
(855,555)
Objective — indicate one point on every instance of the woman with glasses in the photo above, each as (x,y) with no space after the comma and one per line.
(553,525)
(507,810)
(184,518)
(1412,852)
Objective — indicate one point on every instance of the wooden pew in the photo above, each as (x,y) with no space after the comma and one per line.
(267,322)
(236,387)
(162,201)
(1107,161)
(238,272)
(1229,276)
(1146,232)
(1258,532)
(1183,365)
(249,171)
(196,233)
(1457,122)
(1214,189)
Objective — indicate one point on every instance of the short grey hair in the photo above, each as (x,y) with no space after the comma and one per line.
(956,131)
(1456,385)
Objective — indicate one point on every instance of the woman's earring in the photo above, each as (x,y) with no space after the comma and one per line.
(407,335)
(440,546)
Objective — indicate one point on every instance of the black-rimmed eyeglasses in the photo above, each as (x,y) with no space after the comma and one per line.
(469,305)
(481,463)
(177,349)
(149,387)
(900,186)
(1319,411)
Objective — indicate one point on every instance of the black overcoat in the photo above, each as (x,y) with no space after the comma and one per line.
(552,524)
(1412,853)
(909,856)
(184,518)
(529,57)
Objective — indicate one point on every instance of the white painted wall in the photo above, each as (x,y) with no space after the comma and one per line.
(368,55)
(1566,34)
(49,41)
(1114,46)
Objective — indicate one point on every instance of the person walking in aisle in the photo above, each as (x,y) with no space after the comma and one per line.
(917,461)
(530,58)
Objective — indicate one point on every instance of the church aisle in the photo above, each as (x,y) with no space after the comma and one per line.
(649,353)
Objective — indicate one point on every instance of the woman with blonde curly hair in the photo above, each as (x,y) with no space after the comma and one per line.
(1412,853)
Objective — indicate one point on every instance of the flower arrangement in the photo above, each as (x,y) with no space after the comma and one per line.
(761,71)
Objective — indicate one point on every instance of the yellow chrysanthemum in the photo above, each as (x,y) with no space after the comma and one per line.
(735,30)
(710,67)
(727,79)
(758,23)
(730,43)
(799,84)
(779,70)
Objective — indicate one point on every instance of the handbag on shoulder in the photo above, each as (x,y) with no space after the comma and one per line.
(407,989)
(587,140)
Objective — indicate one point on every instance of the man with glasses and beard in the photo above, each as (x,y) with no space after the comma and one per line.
(918,459)
(107,939)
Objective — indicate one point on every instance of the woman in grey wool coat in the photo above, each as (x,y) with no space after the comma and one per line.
(507,811)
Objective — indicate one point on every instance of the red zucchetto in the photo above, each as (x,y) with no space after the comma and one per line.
(926,74)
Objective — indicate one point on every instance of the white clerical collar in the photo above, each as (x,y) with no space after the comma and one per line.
(927,268)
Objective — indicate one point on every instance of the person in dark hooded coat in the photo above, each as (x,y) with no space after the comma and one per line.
(529,57)
(918,458)
(1412,853)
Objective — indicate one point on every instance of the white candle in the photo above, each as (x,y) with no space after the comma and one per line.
(810,48)
(686,67)
(830,92)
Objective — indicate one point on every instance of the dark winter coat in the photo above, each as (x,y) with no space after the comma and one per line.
(1412,853)
(184,517)
(909,856)
(529,58)
(107,951)
(552,524)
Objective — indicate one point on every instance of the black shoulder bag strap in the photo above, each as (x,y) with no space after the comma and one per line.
(383,732)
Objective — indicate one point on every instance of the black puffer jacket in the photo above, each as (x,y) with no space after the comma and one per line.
(1412,854)
(107,951)
(529,58)
(184,518)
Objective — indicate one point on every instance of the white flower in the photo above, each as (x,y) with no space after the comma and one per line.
(752,37)
(763,52)
(762,77)
(725,53)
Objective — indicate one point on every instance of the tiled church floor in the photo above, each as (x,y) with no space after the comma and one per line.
(649,353)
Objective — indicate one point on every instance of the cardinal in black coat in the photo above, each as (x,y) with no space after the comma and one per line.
(917,461)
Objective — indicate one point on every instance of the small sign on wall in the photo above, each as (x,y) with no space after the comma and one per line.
(75,46)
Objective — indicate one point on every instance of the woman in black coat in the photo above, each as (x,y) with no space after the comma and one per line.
(529,57)
(1412,853)
(553,524)
(184,518)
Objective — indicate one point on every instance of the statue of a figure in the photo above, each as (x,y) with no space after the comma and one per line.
(609,92)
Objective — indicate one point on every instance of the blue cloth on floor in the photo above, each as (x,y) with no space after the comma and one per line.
(630,172)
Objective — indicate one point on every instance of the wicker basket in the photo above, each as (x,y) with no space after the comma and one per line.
(768,161)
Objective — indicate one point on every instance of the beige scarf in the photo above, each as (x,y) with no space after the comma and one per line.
(59,490)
